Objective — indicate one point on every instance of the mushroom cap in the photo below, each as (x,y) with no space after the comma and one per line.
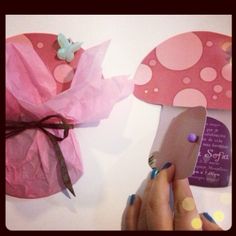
(187,70)
(46,46)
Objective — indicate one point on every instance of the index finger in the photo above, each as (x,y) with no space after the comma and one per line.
(186,216)
(159,213)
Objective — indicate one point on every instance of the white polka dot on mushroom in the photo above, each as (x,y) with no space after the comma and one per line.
(156,90)
(186,80)
(63,73)
(218,88)
(189,98)
(208,74)
(173,53)
(214,97)
(142,75)
(228,93)
(227,71)
(40,45)
(152,62)
(145,91)
(209,43)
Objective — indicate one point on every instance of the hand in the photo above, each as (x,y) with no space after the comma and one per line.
(153,211)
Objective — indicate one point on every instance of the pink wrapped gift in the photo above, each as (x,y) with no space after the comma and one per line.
(39,85)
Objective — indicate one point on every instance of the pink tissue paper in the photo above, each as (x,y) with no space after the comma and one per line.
(32,169)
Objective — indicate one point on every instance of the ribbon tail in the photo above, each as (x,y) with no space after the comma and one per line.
(64,171)
(13,132)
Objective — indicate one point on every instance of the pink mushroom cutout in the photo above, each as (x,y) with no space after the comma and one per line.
(192,70)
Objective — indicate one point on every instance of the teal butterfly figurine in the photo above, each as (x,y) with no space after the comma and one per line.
(67,48)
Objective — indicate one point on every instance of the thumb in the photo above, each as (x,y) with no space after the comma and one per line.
(208,223)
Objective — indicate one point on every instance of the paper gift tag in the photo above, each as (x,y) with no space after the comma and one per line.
(180,143)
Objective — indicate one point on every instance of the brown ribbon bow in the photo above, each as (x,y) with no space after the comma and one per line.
(15,127)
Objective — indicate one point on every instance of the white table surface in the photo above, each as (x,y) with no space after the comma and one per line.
(114,153)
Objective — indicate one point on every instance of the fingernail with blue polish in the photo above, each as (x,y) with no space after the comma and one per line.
(208,217)
(131,199)
(154,173)
(166,165)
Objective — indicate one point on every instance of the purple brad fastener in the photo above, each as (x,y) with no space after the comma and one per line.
(192,138)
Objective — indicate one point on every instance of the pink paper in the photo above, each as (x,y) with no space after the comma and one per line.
(187,70)
(32,169)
